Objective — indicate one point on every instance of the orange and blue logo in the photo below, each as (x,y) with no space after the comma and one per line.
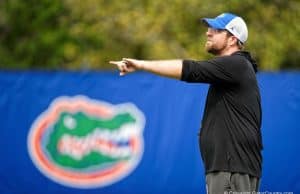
(84,143)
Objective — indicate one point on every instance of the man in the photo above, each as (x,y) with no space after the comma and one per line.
(230,137)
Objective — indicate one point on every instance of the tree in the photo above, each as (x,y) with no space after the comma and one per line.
(75,34)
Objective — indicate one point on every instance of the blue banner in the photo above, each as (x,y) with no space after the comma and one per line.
(97,132)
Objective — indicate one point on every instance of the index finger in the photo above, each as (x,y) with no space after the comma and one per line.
(114,62)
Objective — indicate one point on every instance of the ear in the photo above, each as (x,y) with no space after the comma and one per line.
(232,40)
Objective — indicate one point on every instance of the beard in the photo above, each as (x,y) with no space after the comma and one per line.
(213,48)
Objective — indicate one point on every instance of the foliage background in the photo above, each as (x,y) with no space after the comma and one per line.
(76,34)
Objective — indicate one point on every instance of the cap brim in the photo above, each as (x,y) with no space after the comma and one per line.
(213,23)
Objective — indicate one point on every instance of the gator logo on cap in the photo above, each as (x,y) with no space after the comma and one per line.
(84,143)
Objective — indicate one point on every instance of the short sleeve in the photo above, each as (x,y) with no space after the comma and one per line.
(218,70)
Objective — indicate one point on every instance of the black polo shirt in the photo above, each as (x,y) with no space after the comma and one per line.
(230,137)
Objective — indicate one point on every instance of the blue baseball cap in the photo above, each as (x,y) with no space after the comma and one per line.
(228,21)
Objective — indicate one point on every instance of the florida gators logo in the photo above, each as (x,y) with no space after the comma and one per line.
(84,143)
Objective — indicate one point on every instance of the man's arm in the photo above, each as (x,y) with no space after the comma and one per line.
(166,68)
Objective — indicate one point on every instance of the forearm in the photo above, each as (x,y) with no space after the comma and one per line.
(166,68)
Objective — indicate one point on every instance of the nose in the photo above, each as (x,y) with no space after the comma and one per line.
(208,33)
